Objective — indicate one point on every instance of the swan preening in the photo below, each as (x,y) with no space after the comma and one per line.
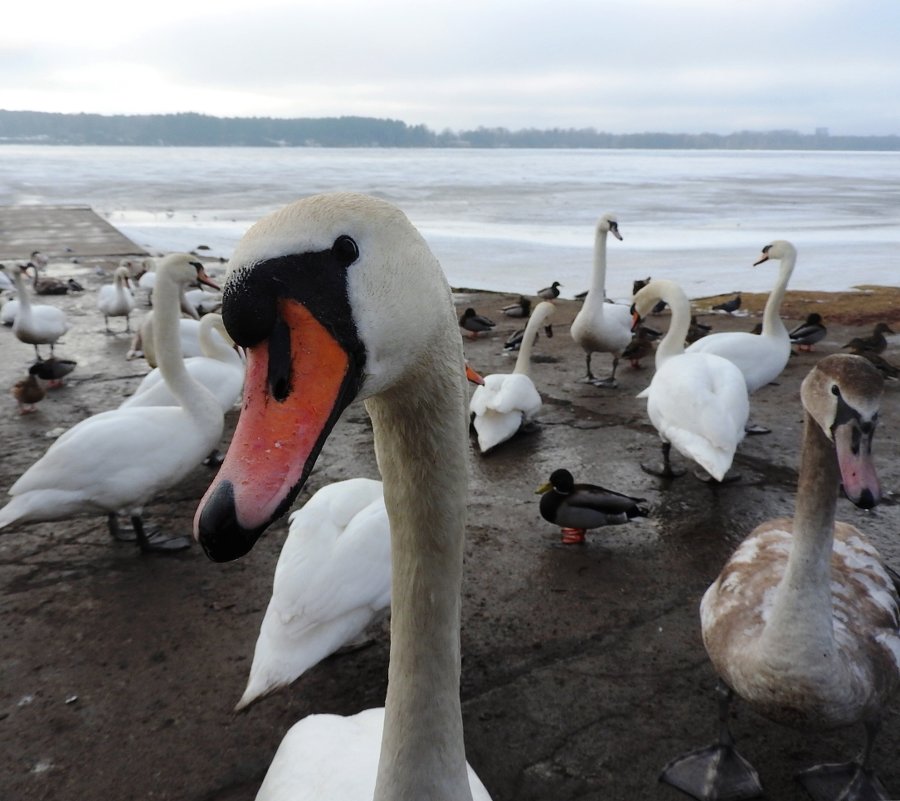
(324,286)
(802,622)
(123,458)
(696,401)
(600,326)
(508,401)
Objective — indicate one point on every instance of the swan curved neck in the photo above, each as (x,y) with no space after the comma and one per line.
(772,323)
(523,360)
(802,610)
(672,344)
(22,292)
(420,441)
(167,343)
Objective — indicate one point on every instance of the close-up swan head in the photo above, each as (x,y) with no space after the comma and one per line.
(779,249)
(331,298)
(842,395)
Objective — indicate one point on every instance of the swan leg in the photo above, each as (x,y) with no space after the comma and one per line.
(215,458)
(156,541)
(665,470)
(717,772)
(115,530)
(609,381)
(588,376)
(848,781)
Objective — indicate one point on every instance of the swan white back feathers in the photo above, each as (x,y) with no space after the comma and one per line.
(333,578)
(507,401)
(115,299)
(697,402)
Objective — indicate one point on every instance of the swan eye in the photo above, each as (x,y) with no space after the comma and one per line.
(345,250)
(835,390)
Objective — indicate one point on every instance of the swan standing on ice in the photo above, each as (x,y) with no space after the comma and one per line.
(116,300)
(123,458)
(600,326)
(803,622)
(507,402)
(696,401)
(344,287)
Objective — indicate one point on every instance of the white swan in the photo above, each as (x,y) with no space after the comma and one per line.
(123,458)
(760,357)
(36,324)
(344,288)
(508,401)
(696,401)
(803,622)
(116,300)
(9,311)
(601,326)
(220,369)
(332,580)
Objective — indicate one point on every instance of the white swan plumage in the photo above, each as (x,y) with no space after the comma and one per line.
(803,622)
(38,323)
(123,458)
(332,581)
(600,326)
(115,299)
(696,401)
(508,401)
(323,287)
(220,369)
(760,357)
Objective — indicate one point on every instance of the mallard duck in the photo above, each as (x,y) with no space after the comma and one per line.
(575,508)
(28,392)
(641,346)
(521,308)
(550,292)
(475,323)
(729,306)
(802,622)
(881,364)
(696,330)
(52,370)
(805,335)
(875,342)
(600,326)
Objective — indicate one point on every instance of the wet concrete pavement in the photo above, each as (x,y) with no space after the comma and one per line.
(583,668)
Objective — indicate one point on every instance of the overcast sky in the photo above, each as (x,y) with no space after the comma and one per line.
(625,66)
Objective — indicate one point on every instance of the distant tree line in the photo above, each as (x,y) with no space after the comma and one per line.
(199,130)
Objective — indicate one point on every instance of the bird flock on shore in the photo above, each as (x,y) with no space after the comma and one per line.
(802,624)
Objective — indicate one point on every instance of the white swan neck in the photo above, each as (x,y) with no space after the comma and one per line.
(672,344)
(523,360)
(598,278)
(23,296)
(420,438)
(191,395)
(772,324)
(802,618)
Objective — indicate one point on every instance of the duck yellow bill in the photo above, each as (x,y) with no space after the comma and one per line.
(292,397)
